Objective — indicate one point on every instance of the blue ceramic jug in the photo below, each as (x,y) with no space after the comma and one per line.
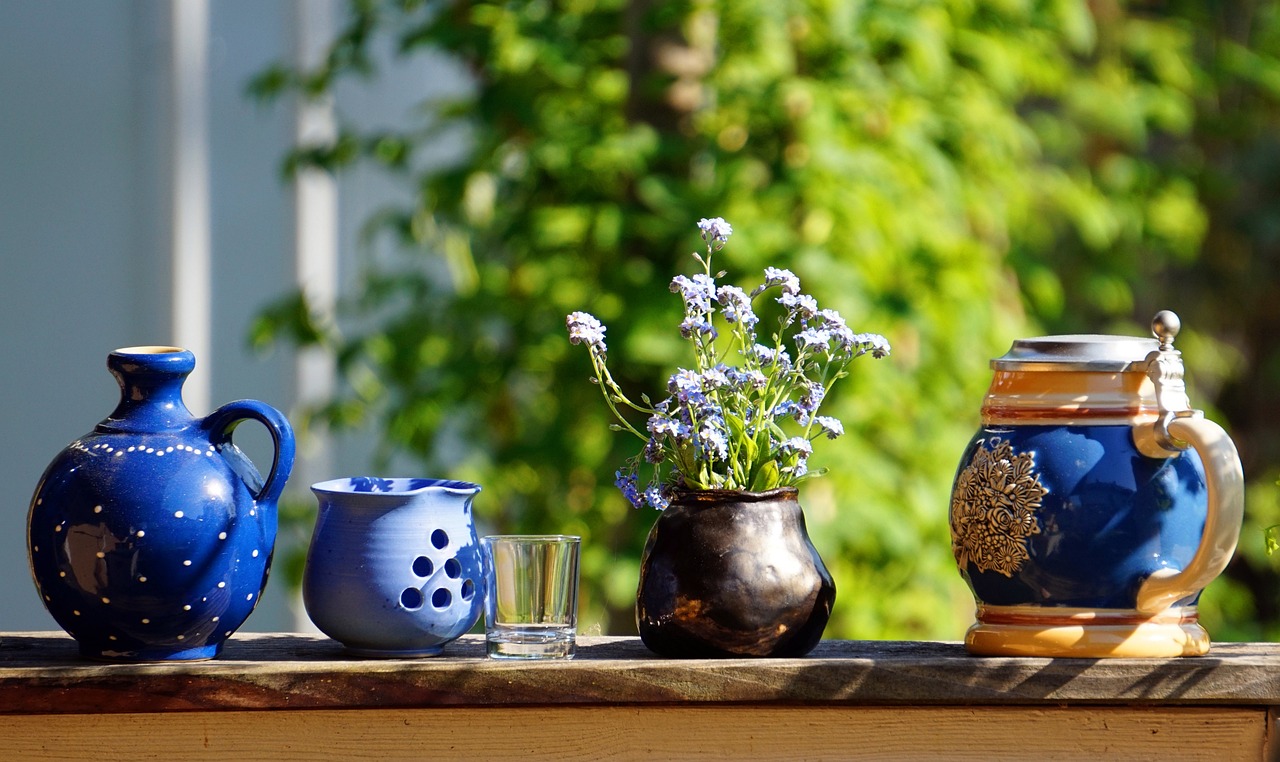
(1094,504)
(394,568)
(151,536)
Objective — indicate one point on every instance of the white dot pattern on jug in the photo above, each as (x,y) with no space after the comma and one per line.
(134,540)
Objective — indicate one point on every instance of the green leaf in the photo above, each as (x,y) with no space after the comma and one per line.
(767,477)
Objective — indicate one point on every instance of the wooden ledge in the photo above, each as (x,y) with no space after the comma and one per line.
(42,673)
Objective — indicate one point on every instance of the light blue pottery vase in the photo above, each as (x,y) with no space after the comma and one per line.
(150,537)
(394,568)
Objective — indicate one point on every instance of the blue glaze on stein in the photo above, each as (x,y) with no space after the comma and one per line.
(394,568)
(150,538)
(1108,519)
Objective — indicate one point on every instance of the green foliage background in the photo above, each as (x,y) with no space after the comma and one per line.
(950,173)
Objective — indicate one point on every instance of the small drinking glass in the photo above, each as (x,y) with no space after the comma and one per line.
(531,610)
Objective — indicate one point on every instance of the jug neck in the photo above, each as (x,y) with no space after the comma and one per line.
(151,379)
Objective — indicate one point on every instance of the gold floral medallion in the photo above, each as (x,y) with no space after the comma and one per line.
(993,508)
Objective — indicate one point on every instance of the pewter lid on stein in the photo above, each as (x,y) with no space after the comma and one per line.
(1090,352)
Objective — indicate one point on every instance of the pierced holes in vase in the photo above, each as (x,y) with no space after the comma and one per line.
(439,539)
(453,568)
(411,598)
(468,590)
(441,598)
(423,567)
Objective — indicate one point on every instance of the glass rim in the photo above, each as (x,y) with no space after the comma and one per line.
(545,538)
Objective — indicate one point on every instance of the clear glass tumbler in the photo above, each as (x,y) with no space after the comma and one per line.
(531,606)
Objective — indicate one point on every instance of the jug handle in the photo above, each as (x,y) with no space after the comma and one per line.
(223,421)
(1224,477)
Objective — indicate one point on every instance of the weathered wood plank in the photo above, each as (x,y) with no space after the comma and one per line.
(650,733)
(41,673)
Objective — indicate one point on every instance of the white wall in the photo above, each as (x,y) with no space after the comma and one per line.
(86,224)
(85,118)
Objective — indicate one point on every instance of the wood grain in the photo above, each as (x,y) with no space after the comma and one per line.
(41,673)
(650,733)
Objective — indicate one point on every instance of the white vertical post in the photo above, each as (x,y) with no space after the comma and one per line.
(191,309)
(315,198)
(315,233)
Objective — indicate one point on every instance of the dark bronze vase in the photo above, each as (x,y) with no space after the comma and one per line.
(727,573)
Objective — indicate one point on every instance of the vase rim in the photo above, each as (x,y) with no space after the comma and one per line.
(392,486)
(150,349)
(151,361)
(737,494)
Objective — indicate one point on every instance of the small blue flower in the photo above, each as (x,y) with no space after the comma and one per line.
(839,330)
(626,482)
(684,382)
(657,497)
(802,449)
(803,305)
(698,292)
(785,409)
(715,229)
(874,343)
(584,328)
(661,425)
(735,305)
(712,441)
(812,338)
(694,325)
(796,445)
(831,426)
(748,379)
(813,397)
(715,378)
(654,453)
(774,276)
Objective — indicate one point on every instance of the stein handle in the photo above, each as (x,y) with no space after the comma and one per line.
(1224,477)
(223,421)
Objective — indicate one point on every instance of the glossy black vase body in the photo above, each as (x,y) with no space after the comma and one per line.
(728,573)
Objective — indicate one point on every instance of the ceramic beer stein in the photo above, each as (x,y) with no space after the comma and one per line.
(1094,504)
